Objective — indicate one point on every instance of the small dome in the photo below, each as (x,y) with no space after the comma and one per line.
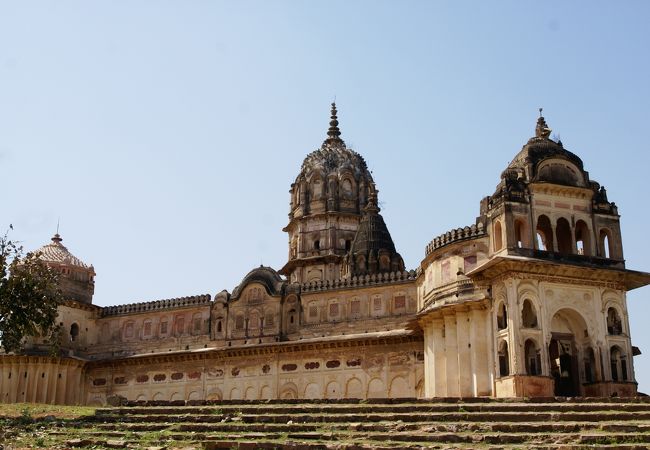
(542,159)
(57,253)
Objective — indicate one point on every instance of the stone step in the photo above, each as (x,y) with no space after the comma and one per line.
(362,409)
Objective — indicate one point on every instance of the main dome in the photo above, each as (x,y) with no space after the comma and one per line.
(333,156)
(332,178)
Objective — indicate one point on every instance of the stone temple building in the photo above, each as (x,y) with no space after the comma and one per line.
(530,300)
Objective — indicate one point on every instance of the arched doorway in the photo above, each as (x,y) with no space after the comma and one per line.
(569,339)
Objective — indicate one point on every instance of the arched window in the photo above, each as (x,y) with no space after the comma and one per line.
(502,317)
(605,244)
(563,231)
(498,236)
(583,243)
(533,358)
(504,359)
(614,324)
(528,315)
(619,364)
(520,234)
(74,332)
(219,326)
(544,234)
(316,244)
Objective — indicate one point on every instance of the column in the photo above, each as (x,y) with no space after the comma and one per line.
(439,360)
(451,354)
(480,351)
(465,369)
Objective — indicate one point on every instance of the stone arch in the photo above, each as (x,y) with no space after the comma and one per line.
(157,396)
(399,388)
(354,388)
(235,394)
(583,238)
(333,390)
(215,394)
(141,398)
(569,339)
(528,314)
(289,391)
(74,332)
(521,233)
(614,322)
(312,391)
(376,388)
(249,393)
(265,393)
(498,236)
(175,397)
(532,357)
(502,315)
(503,358)
(544,232)
(194,395)
(605,243)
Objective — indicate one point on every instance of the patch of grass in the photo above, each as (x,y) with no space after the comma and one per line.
(38,410)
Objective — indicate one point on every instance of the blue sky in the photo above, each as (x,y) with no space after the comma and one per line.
(165,135)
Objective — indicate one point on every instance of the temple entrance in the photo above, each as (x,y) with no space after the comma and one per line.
(569,341)
(564,365)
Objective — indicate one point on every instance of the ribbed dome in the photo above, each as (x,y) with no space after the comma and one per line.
(334,156)
(56,252)
(539,148)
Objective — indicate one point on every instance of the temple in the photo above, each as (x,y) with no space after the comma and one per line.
(528,301)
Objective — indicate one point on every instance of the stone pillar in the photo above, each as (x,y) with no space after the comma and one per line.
(429,361)
(480,351)
(439,372)
(465,369)
(451,354)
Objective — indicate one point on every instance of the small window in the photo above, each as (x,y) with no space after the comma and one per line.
(313,312)
(163,327)
(74,332)
(239,323)
(348,245)
(316,245)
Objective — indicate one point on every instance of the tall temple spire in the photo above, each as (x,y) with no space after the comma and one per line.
(333,134)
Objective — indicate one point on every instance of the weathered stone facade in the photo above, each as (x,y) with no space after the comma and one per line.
(528,301)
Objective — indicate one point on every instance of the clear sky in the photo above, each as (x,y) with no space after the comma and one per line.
(165,134)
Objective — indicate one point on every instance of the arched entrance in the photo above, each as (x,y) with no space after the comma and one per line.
(569,338)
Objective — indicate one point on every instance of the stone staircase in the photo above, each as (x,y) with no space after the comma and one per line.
(371,424)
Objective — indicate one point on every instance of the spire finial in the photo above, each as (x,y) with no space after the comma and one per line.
(542,130)
(57,238)
(333,133)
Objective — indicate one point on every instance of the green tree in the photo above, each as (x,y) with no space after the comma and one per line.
(29,297)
